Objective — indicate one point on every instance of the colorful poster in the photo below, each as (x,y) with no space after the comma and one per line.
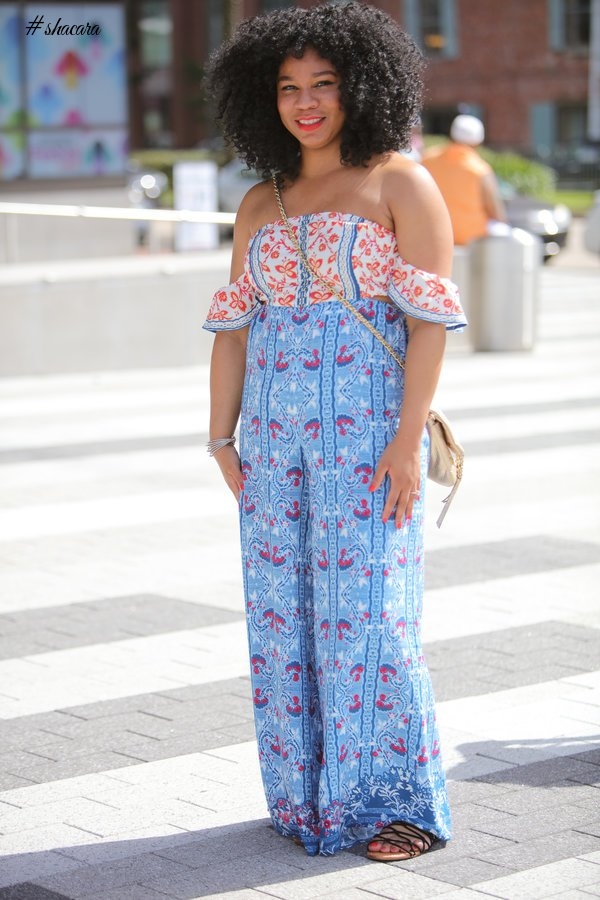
(73,152)
(76,79)
(63,90)
(12,158)
(11,112)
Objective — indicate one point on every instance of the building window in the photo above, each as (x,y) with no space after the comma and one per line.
(438,119)
(156,58)
(271,5)
(570,24)
(577,23)
(571,125)
(432,34)
(217,24)
(558,128)
(433,25)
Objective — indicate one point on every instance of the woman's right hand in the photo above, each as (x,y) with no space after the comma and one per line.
(231,469)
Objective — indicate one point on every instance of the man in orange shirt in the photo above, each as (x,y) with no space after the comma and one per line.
(467,182)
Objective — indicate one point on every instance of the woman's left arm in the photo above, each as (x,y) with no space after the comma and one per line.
(424,237)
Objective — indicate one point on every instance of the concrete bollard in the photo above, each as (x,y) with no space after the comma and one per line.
(591,234)
(461,276)
(504,290)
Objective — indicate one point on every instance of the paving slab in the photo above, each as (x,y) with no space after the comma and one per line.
(574,895)
(408,884)
(541,882)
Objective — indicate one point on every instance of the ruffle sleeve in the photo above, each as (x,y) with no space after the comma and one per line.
(424,295)
(233,306)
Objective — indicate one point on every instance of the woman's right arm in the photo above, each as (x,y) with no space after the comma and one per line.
(227,367)
(228,363)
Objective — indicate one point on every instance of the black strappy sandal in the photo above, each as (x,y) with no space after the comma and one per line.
(403,836)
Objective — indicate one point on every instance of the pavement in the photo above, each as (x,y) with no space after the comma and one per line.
(575,255)
(128,765)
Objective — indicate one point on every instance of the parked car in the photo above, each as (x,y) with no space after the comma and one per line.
(550,222)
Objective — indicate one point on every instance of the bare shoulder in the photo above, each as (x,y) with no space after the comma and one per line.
(408,186)
(421,220)
(256,209)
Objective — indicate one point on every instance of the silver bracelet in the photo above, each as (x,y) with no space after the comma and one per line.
(216,444)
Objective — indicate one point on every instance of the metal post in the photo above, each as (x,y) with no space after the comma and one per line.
(594,74)
(11,239)
(232,16)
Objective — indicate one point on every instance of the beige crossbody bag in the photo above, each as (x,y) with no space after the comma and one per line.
(446,456)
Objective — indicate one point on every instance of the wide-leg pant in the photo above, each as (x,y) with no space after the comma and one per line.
(345,718)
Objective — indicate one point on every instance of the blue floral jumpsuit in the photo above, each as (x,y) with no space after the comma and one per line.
(344,710)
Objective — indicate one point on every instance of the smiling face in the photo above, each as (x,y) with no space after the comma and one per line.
(308,100)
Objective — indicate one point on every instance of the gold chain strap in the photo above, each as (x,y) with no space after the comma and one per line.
(438,429)
(324,282)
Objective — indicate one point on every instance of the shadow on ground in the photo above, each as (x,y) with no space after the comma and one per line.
(250,854)
(531,762)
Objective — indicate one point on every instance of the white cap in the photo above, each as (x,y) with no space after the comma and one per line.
(467,130)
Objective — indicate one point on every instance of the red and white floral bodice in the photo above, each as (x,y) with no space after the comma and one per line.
(358,257)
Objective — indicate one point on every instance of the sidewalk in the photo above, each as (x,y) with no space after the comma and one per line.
(127,763)
(574,254)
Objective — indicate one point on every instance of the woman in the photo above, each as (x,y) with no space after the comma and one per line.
(333,455)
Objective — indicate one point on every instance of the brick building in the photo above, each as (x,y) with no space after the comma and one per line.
(523,66)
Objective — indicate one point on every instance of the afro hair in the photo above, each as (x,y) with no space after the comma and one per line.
(381,85)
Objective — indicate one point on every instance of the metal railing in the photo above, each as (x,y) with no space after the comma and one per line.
(117,212)
(174,216)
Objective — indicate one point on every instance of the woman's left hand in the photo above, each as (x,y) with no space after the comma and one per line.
(402,467)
